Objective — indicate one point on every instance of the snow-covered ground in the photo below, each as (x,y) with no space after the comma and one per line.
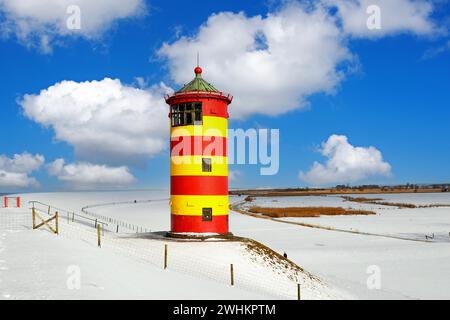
(408,269)
(343,261)
(414,223)
(40,265)
(255,276)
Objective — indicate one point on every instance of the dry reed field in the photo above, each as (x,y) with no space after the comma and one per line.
(306,212)
(380,201)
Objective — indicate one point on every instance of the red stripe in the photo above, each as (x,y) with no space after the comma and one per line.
(210,106)
(199,185)
(198,145)
(218,224)
(215,108)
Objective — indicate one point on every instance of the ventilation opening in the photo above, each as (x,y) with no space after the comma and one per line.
(206,165)
(207,214)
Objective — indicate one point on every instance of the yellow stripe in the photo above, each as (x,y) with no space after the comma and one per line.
(192,166)
(212,126)
(192,205)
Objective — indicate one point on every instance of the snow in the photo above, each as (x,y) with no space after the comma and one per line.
(342,261)
(391,221)
(254,275)
(36,265)
(409,269)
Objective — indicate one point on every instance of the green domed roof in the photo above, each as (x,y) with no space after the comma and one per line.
(198,84)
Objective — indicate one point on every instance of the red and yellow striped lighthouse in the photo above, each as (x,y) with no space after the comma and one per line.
(199,166)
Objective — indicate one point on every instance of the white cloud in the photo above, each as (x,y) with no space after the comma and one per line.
(15,171)
(345,163)
(14,180)
(397,16)
(105,120)
(42,23)
(82,175)
(24,163)
(272,64)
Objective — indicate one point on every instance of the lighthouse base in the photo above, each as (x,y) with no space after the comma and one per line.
(198,236)
(188,224)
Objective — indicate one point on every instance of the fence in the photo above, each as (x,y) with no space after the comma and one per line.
(69,216)
(44,221)
(117,222)
(14,221)
(11,202)
(231,263)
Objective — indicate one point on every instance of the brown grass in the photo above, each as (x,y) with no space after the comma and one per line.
(361,199)
(249,199)
(302,212)
(434,205)
(378,201)
(392,204)
(280,264)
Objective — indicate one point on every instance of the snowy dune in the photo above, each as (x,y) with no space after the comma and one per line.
(254,275)
(409,269)
(38,265)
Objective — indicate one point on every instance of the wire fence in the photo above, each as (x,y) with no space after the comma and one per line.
(230,263)
(11,219)
(119,224)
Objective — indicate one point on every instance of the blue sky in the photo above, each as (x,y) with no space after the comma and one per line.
(392,94)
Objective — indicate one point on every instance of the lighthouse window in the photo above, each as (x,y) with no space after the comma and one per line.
(198,112)
(185,114)
(207,214)
(206,165)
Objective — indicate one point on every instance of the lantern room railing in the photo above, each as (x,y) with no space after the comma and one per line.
(206,93)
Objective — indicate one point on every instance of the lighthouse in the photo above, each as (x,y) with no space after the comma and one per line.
(198,158)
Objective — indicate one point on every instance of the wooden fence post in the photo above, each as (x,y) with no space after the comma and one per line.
(232,274)
(165,256)
(117,229)
(298,292)
(56,222)
(98,235)
(73,216)
(33,215)
(48,210)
